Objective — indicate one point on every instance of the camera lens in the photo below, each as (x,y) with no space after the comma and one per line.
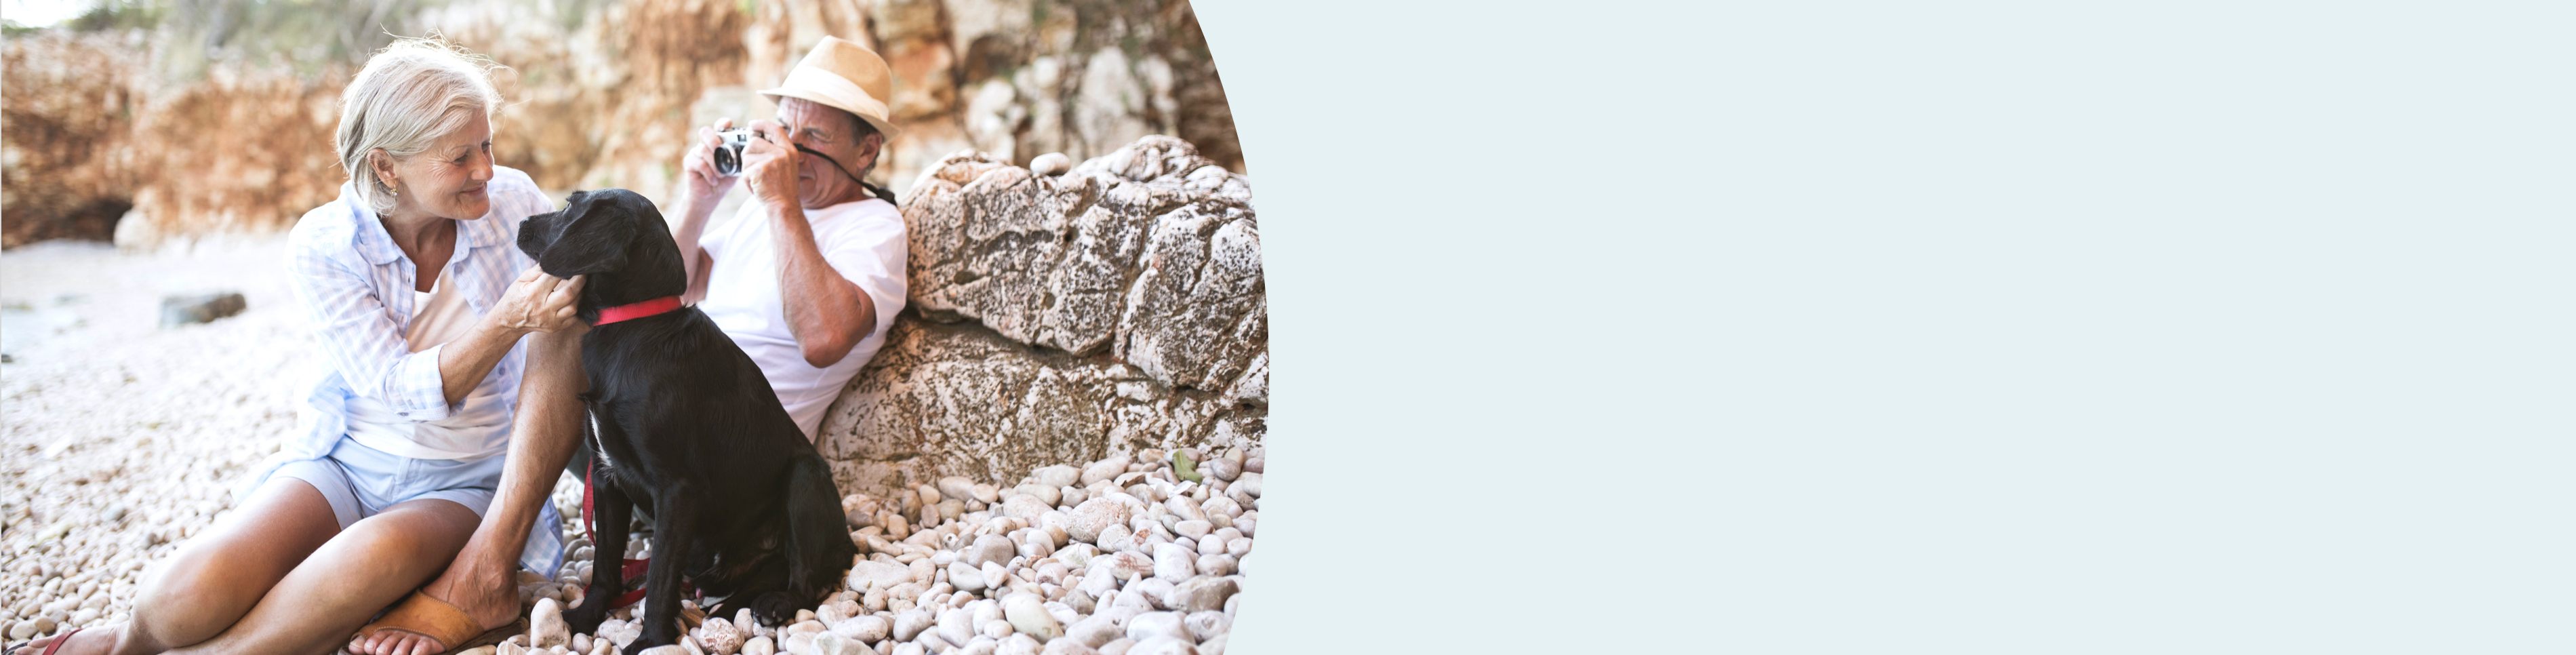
(728,154)
(729,159)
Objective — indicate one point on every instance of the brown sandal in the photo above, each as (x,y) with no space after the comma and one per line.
(423,615)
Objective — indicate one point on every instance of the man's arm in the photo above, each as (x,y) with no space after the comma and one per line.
(828,314)
(702,188)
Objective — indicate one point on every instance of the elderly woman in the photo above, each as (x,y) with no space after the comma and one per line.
(420,300)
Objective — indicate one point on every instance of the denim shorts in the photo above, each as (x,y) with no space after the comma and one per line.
(361,482)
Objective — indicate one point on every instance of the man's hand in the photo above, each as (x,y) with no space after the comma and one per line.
(698,177)
(770,165)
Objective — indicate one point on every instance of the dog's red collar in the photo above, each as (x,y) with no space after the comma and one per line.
(635,311)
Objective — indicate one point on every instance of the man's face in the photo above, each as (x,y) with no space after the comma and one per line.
(834,133)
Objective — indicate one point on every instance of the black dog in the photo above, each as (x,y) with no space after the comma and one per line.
(686,430)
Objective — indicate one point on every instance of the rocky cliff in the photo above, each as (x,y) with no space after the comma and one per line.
(1063,316)
(216,116)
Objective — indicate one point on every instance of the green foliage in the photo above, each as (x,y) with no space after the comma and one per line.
(307,36)
(116,15)
(120,15)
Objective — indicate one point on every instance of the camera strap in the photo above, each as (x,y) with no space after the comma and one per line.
(879,192)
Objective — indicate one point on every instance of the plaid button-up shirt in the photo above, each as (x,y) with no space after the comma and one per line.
(356,288)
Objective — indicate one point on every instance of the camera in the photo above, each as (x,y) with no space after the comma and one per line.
(728,154)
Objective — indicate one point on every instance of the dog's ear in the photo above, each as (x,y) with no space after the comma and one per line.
(589,236)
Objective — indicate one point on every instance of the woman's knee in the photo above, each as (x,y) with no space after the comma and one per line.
(194,595)
(216,577)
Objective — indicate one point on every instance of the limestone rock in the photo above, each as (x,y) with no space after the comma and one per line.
(1204,593)
(829,643)
(956,487)
(1059,475)
(1116,308)
(878,575)
(1094,632)
(957,625)
(1053,163)
(1121,566)
(1164,646)
(1207,624)
(1095,516)
(1174,563)
(1028,615)
(720,636)
(867,629)
(1105,469)
(546,625)
(1147,626)
(1025,506)
(183,310)
(910,623)
(967,578)
(988,548)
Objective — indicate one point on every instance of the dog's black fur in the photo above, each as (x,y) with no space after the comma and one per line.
(742,505)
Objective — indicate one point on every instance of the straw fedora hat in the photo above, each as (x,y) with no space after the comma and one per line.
(845,76)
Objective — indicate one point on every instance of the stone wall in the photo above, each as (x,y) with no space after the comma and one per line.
(67,174)
(219,118)
(1107,309)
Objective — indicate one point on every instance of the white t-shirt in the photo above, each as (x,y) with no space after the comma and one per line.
(863,241)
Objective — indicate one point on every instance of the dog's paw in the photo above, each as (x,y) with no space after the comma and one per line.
(586,619)
(775,608)
(638,646)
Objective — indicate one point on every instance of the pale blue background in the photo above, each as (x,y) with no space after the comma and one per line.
(1847,327)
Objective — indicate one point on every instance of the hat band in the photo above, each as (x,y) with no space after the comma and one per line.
(830,84)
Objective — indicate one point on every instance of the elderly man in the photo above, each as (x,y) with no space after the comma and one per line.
(806,278)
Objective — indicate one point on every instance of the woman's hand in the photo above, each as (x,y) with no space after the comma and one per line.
(535,303)
(770,165)
(698,177)
(538,302)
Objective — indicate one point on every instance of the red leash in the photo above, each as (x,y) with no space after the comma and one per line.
(628,569)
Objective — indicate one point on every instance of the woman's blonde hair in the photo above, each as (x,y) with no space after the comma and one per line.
(410,93)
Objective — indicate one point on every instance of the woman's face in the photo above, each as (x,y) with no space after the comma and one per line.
(449,179)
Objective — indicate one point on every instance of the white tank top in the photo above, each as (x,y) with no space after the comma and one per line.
(439,315)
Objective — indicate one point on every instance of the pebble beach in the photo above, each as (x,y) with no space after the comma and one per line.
(121,438)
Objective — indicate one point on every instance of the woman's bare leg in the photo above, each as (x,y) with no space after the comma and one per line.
(345,582)
(545,432)
(217,577)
